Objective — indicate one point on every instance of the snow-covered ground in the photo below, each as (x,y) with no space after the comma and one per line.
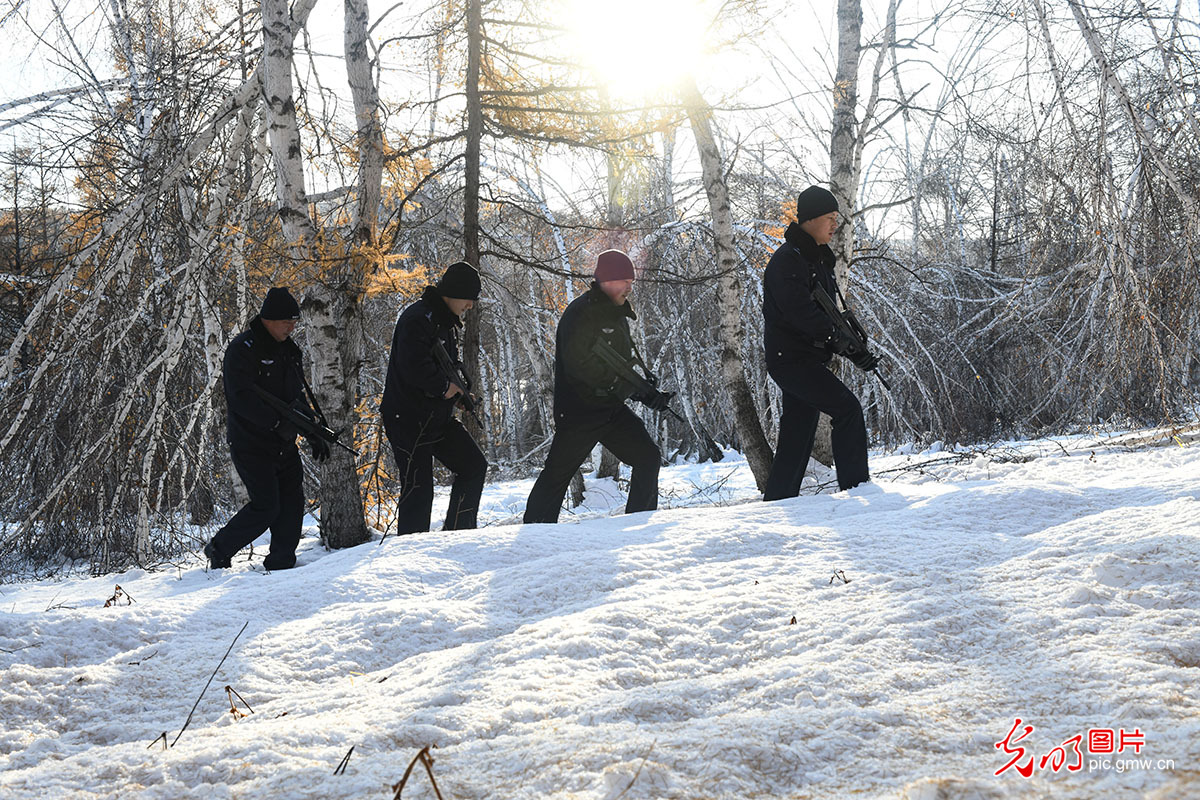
(712,649)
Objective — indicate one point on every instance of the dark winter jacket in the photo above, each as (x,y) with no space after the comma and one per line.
(252,359)
(583,384)
(415,391)
(794,326)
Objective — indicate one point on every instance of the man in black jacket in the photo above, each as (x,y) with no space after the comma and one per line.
(262,444)
(418,405)
(589,396)
(800,339)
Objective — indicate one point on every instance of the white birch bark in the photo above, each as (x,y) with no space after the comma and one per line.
(132,216)
(729,289)
(332,311)
(366,111)
(283,130)
(847,142)
(1149,149)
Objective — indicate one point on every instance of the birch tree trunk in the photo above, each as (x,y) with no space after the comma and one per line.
(366,111)
(331,307)
(847,141)
(1148,151)
(473,318)
(283,130)
(843,167)
(1149,148)
(843,150)
(729,290)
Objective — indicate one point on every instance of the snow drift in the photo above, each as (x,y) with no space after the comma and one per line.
(875,643)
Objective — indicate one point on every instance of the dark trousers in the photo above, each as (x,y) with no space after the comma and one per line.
(415,448)
(809,388)
(276,488)
(574,437)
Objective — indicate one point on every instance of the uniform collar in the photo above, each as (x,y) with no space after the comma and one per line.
(798,238)
(263,338)
(441,313)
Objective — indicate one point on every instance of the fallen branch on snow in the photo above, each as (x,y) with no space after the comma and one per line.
(118,595)
(341,767)
(210,680)
(231,693)
(427,762)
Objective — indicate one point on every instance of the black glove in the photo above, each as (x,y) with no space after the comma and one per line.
(865,360)
(286,431)
(657,401)
(319,447)
(841,343)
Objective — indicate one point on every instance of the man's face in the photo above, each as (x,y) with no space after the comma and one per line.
(279,329)
(617,291)
(821,228)
(458,306)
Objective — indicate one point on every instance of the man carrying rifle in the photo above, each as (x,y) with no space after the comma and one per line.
(262,440)
(590,394)
(425,383)
(800,339)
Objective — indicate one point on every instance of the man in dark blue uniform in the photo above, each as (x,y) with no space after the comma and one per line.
(418,405)
(589,395)
(800,339)
(261,443)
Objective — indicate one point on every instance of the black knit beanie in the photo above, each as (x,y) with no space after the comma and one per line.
(814,202)
(279,304)
(460,281)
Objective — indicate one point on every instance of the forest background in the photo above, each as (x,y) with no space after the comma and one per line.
(1017,179)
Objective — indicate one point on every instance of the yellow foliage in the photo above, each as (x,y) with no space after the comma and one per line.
(787,215)
(403,280)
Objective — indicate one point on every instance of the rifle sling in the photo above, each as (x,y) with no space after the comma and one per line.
(312,397)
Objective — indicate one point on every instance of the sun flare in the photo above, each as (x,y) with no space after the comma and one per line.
(637,47)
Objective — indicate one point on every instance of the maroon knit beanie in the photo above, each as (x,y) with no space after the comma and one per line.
(613,265)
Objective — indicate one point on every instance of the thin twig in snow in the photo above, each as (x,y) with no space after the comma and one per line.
(210,680)
(231,693)
(633,780)
(341,767)
(427,762)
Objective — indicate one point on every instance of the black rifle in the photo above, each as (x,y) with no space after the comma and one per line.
(300,417)
(847,323)
(645,387)
(455,376)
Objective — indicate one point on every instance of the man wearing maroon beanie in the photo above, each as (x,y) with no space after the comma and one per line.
(589,395)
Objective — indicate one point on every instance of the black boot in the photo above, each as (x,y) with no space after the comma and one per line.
(215,559)
(273,563)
